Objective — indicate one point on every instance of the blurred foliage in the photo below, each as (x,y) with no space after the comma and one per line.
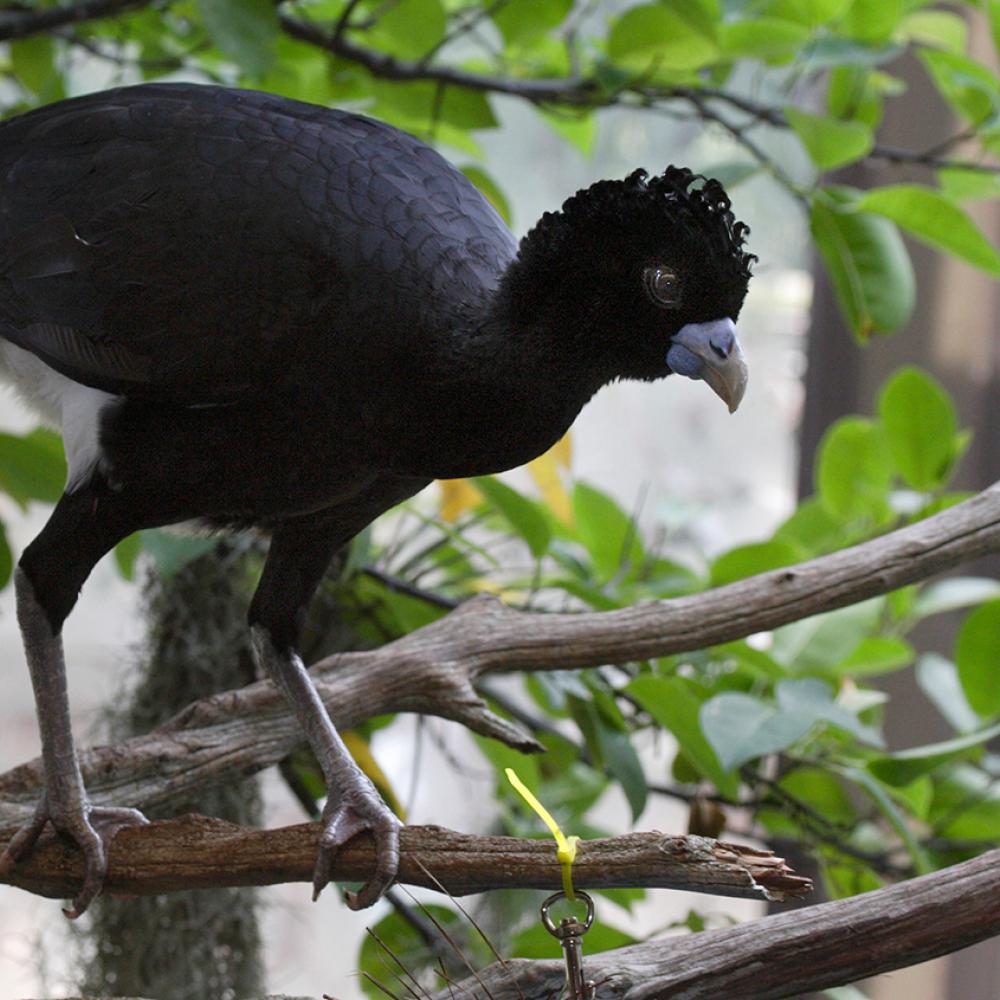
(780,734)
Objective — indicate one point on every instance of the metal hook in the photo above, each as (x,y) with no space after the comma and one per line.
(570,933)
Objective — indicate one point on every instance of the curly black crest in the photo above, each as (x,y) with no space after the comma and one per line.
(677,210)
(693,206)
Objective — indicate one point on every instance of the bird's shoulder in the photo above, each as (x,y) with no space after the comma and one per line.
(183,238)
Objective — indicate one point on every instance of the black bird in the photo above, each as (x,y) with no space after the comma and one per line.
(247,311)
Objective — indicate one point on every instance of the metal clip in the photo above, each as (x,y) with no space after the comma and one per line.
(570,933)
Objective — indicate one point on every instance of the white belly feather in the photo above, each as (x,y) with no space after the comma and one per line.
(73,408)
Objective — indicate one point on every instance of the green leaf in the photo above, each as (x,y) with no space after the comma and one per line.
(890,811)
(853,469)
(6,558)
(939,681)
(501,757)
(821,790)
(608,534)
(874,656)
(810,698)
(940,28)
(409,30)
(623,764)
(577,128)
(127,553)
(906,766)
(33,60)
(489,190)
(172,552)
(871,22)
(921,428)
(977,655)
(953,593)
(520,20)
(523,515)
(968,86)
(672,704)
(740,727)
(32,466)
(822,641)
(830,51)
(813,528)
(536,942)
(868,264)
(733,172)
(746,560)
(668,35)
(245,30)
(993,12)
(809,12)
(830,143)
(964,184)
(424,104)
(395,943)
(934,219)
(967,805)
(762,38)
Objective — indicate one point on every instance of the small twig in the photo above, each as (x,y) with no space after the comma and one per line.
(344,21)
(401,586)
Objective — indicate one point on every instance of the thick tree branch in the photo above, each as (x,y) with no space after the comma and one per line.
(195,852)
(780,956)
(432,671)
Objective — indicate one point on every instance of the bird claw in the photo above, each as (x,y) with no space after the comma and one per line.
(343,820)
(91,828)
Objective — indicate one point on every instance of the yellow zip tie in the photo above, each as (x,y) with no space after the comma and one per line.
(565,846)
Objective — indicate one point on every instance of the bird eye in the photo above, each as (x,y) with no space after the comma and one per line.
(663,285)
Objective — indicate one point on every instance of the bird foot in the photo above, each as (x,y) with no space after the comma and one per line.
(91,828)
(350,811)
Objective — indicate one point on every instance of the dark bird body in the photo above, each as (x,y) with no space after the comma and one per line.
(247,311)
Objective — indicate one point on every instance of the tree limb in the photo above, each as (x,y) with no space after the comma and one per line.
(20,22)
(780,956)
(432,671)
(195,852)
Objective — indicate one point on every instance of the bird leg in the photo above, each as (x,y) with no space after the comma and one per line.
(299,554)
(64,803)
(353,804)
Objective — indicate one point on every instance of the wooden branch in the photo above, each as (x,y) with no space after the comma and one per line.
(432,670)
(195,852)
(787,955)
(22,22)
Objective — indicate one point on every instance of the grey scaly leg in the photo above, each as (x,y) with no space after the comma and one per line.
(64,803)
(352,804)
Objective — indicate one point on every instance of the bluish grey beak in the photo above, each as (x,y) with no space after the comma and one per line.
(710,351)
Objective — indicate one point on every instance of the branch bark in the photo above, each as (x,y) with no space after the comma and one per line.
(433,670)
(780,956)
(195,852)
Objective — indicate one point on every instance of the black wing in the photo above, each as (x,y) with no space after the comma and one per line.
(203,245)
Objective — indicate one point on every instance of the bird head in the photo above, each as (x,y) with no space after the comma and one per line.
(640,278)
